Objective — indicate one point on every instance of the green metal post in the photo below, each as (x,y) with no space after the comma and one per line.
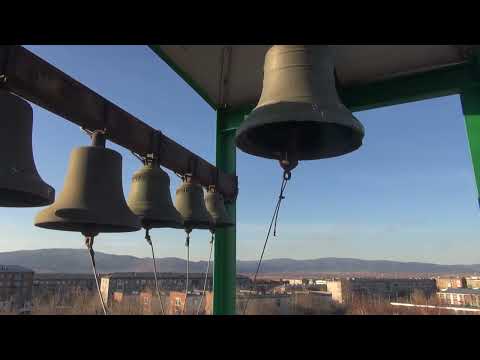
(224,265)
(471,109)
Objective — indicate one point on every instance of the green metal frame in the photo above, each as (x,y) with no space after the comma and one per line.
(225,258)
(156,49)
(471,109)
(461,79)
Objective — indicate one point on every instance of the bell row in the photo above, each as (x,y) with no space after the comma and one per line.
(92,199)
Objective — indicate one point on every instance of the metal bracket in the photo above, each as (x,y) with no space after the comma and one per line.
(98,138)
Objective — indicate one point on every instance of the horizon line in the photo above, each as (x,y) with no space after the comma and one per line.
(255,260)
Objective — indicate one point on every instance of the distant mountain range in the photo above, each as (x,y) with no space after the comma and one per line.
(77,261)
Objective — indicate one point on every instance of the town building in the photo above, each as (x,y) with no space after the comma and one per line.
(134,283)
(460,297)
(264,304)
(315,282)
(310,302)
(16,283)
(450,282)
(472,282)
(293,282)
(150,303)
(63,286)
(129,283)
(345,290)
(176,303)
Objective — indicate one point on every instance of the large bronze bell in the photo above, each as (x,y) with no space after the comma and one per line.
(299,115)
(150,198)
(216,208)
(190,203)
(92,200)
(20,183)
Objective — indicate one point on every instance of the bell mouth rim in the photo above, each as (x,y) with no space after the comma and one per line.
(86,227)
(27,198)
(308,122)
(162,224)
(203,225)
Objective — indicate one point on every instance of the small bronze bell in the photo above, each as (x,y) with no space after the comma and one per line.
(20,183)
(150,198)
(92,200)
(190,203)
(299,115)
(216,208)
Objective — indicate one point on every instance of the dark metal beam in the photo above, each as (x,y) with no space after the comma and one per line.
(34,79)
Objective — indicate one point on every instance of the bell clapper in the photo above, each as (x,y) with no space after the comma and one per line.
(149,241)
(89,244)
(212,239)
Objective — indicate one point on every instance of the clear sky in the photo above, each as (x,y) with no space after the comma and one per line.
(408,194)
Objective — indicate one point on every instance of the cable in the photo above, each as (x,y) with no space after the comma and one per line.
(286,177)
(187,244)
(206,273)
(89,244)
(149,241)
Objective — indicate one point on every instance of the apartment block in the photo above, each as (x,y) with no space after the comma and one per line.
(134,283)
(473,282)
(460,297)
(16,284)
(63,286)
(345,290)
(177,306)
(450,282)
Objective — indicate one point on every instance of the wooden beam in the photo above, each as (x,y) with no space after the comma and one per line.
(35,80)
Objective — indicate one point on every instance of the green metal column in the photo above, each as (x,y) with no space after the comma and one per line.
(471,109)
(224,266)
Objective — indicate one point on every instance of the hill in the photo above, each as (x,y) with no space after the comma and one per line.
(77,261)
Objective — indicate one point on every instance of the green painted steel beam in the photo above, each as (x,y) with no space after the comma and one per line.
(471,110)
(225,255)
(436,83)
(157,50)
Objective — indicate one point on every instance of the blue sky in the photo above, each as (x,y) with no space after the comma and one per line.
(408,194)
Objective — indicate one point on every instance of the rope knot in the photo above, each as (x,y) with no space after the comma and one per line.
(147,237)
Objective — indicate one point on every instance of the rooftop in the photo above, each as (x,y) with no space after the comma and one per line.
(461,291)
(150,275)
(63,276)
(14,268)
